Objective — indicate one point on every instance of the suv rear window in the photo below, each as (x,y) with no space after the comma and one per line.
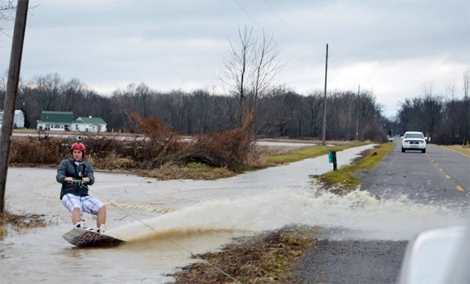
(414,135)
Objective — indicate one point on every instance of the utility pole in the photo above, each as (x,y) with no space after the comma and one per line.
(357,111)
(11,93)
(324,98)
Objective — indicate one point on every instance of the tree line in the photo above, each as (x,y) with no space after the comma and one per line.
(279,113)
(444,118)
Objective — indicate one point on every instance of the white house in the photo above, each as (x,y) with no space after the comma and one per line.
(91,124)
(55,120)
(18,121)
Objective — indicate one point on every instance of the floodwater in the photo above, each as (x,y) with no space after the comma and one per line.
(165,222)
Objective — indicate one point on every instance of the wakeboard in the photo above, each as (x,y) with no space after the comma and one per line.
(84,238)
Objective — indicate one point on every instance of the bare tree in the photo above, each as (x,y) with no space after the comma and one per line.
(250,69)
(466,98)
(72,92)
(266,68)
(234,72)
(49,89)
(315,119)
(466,83)
(6,8)
(143,97)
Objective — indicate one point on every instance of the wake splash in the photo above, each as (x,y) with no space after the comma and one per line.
(357,211)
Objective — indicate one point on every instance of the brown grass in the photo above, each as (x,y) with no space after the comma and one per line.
(195,171)
(271,257)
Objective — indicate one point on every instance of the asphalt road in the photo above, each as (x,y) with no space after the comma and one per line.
(438,176)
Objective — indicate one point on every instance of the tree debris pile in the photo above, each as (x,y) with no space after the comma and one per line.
(269,258)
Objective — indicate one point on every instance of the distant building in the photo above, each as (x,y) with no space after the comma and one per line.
(55,120)
(91,124)
(63,121)
(18,121)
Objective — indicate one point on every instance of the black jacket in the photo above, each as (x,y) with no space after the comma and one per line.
(68,168)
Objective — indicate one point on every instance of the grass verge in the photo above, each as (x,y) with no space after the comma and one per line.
(344,179)
(196,171)
(311,152)
(271,257)
(459,149)
(264,157)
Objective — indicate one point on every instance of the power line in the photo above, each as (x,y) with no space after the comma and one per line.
(279,17)
(259,26)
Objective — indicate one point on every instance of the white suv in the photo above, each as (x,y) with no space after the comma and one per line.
(413,140)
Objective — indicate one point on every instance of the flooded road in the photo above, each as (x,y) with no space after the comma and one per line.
(165,222)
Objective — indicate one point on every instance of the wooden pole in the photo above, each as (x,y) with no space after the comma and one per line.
(324,98)
(11,93)
(357,111)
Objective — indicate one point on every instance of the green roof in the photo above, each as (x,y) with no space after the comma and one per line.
(57,116)
(90,120)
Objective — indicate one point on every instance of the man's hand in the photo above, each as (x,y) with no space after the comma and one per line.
(86,180)
(68,179)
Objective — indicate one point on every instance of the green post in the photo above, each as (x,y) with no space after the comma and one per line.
(332,159)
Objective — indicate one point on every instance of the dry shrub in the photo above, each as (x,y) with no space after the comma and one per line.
(226,149)
(112,161)
(161,145)
(101,145)
(229,149)
(256,160)
(29,150)
(50,151)
(156,145)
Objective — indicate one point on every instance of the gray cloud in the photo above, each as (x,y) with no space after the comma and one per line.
(390,47)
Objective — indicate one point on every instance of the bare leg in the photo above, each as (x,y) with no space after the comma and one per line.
(101,216)
(76,216)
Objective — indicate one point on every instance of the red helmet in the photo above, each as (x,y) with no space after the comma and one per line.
(78,146)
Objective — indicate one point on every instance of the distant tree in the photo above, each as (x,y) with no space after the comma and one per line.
(466,98)
(432,111)
(202,109)
(250,69)
(72,94)
(49,89)
(224,113)
(466,83)
(6,9)
(314,107)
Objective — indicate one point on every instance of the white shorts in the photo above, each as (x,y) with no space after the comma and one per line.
(86,204)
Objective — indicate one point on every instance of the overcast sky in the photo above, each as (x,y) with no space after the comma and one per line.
(393,48)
